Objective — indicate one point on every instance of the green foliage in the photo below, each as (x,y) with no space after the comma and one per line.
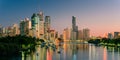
(13,45)
(105,41)
(94,41)
(117,41)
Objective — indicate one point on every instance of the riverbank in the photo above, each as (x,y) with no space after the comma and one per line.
(106,42)
(111,45)
(12,46)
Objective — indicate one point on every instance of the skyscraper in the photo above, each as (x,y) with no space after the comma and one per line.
(74,32)
(110,36)
(41,24)
(25,26)
(46,26)
(116,34)
(74,23)
(9,31)
(86,34)
(80,35)
(22,29)
(35,25)
(16,30)
(47,22)
(66,34)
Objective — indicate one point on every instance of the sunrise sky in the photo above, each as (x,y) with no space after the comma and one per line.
(100,16)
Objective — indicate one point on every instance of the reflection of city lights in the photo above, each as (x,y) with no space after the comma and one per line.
(49,57)
(65,50)
(105,54)
(74,57)
(75,52)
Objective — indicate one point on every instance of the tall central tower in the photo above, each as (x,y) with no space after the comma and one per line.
(74,31)
(74,23)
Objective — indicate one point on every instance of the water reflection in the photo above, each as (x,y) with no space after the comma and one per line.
(73,51)
(114,53)
(49,54)
(104,54)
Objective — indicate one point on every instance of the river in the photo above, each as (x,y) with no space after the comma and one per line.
(73,51)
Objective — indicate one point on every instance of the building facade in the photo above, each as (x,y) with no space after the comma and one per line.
(110,36)
(66,34)
(41,24)
(47,26)
(16,30)
(116,34)
(74,32)
(86,34)
(80,35)
(35,25)
(25,26)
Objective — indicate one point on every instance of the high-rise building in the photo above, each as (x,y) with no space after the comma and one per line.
(3,31)
(35,25)
(15,29)
(6,31)
(22,29)
(46,26)
(74,35)
(74,32)
(41,24)
(74,23)
(116,34)
(86,34)
(9,31)
(80,35)
(47,23)
(25,26)
(52,35)
(66,34)
(110,36)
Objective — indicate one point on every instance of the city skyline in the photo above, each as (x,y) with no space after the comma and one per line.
(99,16)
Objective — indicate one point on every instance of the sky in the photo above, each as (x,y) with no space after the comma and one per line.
(100,16)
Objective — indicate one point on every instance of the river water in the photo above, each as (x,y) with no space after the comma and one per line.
(73,51)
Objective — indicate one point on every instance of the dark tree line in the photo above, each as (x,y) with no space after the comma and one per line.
(11,46)
(105,41)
